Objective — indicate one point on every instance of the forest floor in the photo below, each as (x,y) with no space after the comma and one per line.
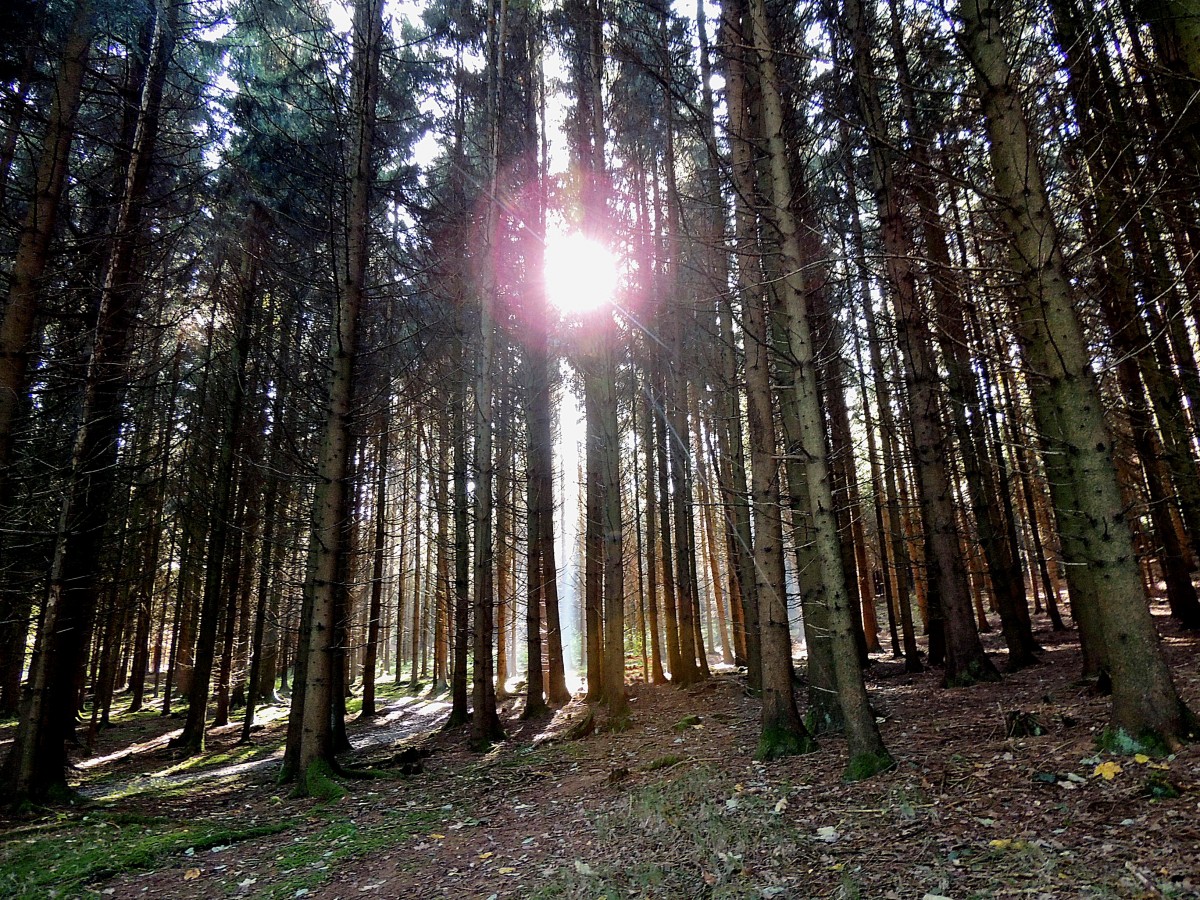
(674,806)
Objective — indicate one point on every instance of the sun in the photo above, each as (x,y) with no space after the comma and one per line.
(581,273)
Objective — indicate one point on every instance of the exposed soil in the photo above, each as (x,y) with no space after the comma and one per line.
(676,807)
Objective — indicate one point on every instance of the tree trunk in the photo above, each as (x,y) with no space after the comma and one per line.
(36,765)
(191,739)
(33,245)
(378,558)
(966,661)
(309,755)
(867,752)
(891,526)
(1077,449)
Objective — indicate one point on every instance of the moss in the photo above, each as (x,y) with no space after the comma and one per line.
(866,765)
(62,795)
(662,762)
(239,754)
(685,723)
(618,724)
(319,782)
(1117,740)
(306,861)
(976,671)
(480,745)
(77,852)
(778,741)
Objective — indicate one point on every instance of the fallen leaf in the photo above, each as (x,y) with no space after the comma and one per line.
(487,855)
(1107,770)
(191,874)
(1141,758)
(1008,844)
(437,837)
(781,805)
(583,868)
(506,870)
(828,834)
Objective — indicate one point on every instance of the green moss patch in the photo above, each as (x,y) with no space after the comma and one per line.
(80,852)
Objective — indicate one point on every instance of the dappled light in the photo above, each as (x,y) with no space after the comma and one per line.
(731,450)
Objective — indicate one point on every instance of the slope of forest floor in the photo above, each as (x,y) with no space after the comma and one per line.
(674,806)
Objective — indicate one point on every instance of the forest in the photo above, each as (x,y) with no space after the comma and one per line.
(504,448)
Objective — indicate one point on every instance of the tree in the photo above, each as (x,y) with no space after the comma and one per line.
(36,766)
(16,333)
(965,659)
(1077,448)
(867,753)
(310,751)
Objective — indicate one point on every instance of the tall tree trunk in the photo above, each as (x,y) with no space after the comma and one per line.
(462,540)
(441,656)
(1077,449)
(867,752)
(19,324)
(593,543)
(745,245)
(191,739)
(309,754)
(994,522)
(966,661)
(657,676)
(33,245)
(485,721)
(151,561)
(675,410)
(783,733)
(612,528)
(36,765)
(378,559)
(891,530)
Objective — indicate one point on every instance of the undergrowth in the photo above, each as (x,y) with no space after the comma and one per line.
(76,852)
(305,862)
(712,839)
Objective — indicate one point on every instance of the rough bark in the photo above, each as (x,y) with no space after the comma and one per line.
(1077,450)
(309,755)
(867,752)
(36,765)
